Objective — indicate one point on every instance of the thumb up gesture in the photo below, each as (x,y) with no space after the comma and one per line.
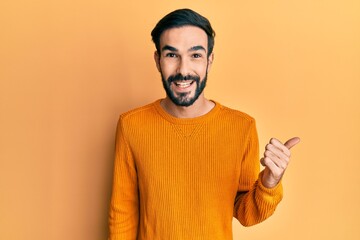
(276,159)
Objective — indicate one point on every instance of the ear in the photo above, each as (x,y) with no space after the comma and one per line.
(157,60)
(210,61)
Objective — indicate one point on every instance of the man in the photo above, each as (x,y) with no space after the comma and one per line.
(186,165)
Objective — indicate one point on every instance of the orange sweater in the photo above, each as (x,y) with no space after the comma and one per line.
(186,178)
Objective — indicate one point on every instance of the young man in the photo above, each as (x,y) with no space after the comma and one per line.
(186,165)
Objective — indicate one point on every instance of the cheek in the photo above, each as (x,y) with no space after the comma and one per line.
(167,68)
(202,69)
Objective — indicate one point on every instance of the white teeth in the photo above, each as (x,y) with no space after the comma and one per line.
(183,84)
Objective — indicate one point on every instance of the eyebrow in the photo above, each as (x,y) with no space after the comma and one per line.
(199,47)
(170,48)
(173,49)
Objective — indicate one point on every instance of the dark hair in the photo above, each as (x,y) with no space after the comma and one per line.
(180,18)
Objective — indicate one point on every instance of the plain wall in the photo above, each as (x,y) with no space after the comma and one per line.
(69,68)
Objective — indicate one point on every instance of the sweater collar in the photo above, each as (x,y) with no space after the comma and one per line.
(195,120)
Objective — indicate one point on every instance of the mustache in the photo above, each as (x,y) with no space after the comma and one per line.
(179,76)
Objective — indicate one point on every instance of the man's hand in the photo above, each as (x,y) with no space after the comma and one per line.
(276,159)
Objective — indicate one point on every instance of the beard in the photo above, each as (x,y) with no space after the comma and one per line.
(182,99)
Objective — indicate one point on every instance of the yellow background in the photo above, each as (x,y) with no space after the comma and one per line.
(69,68)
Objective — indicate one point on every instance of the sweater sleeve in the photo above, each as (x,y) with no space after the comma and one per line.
(124,205)
(254,203)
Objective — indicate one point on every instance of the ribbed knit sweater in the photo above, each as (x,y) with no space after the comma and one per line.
(177,178)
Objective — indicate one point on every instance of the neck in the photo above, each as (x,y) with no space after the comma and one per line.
(200,107)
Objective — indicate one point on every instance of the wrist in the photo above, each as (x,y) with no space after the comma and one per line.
(267,181)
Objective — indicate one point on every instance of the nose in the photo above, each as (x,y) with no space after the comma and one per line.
(183,67)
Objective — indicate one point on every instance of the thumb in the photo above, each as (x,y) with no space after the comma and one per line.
(292,142)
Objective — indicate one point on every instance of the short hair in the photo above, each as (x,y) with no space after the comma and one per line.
(180,18)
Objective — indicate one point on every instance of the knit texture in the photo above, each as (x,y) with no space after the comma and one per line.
(187,178)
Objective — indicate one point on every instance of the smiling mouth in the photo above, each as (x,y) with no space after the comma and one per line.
(183,84)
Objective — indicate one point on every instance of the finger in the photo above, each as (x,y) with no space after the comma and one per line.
(280,162)
(280,151)
(274,169)
(262,162)
(280,146)
(292,142)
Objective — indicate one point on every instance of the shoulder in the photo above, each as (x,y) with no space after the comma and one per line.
(235,122)
(235,115)
(138,116)
(136,112)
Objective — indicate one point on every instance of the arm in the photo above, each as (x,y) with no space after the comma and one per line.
(124,206)
(254,202)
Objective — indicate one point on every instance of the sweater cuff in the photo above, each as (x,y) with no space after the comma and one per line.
(273,195)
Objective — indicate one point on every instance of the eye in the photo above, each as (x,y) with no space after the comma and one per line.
(197,55)
(171,55)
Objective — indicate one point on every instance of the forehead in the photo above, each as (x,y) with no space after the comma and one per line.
(184,37)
